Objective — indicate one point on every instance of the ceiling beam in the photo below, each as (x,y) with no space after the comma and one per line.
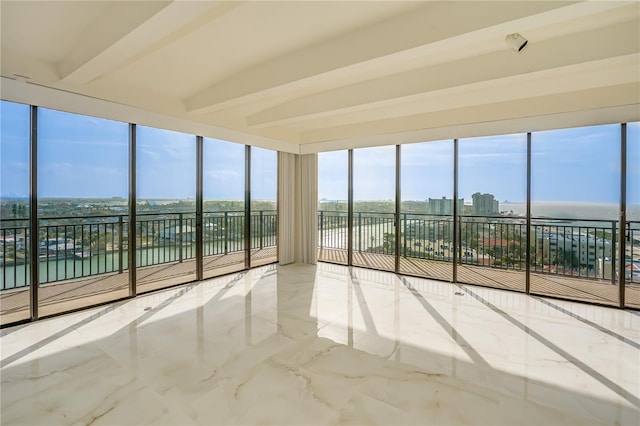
(585,117)
(437,25)
(620,70)
(604,43)
(144,27)
(602,97)
(32,94)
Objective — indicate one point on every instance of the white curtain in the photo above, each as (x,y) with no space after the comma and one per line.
(286,207)
(297,208)
(307,208)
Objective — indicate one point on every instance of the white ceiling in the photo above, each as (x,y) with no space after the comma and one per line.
(308,76)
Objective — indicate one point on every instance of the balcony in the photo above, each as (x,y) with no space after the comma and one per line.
(491,251)
(83,260)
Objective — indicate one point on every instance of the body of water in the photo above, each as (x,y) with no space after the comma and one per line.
(12,276)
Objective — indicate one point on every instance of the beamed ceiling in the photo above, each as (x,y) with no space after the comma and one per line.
(308,76)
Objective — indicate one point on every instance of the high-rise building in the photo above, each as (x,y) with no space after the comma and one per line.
(485,204)
(444,206)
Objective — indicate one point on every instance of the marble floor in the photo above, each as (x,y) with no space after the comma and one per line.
(325,344)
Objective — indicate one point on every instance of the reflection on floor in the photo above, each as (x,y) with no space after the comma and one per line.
(325,345)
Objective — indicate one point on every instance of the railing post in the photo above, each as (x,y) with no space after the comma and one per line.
(260,228)
(4,259)
(321,228)
(459,240)
(120,238)
(404,235)
(180,235)
(226,232)
(613,253)
(359,232)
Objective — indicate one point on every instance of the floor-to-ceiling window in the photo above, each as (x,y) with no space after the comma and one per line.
(83,222)
(426,222)
(333,194)
(492,229)
(374,192)
(82,210)
(264,188)
(223,206)
(165,208)
(575,193)
(14,212)
(632,240)
(83,174)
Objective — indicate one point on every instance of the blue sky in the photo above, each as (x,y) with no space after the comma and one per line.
(568,165)
(82,156)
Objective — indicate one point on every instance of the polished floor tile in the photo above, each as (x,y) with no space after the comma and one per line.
(325,344)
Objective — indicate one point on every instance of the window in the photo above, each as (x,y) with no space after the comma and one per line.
(14,211)
(374,207)
(223,207)
(165,208)
(492,186)
(575,192)
(426,221)
(632,239)
(82,208)
(333,189)
(264,216)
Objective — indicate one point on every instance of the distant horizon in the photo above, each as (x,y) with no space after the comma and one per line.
(82,157)
(7,198)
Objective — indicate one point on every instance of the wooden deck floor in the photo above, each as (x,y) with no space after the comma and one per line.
(75,294)
(579,289)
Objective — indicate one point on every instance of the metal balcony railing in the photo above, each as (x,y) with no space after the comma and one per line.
(263,229)
(82,246)
(632,252)
(223,232)
(575,248)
